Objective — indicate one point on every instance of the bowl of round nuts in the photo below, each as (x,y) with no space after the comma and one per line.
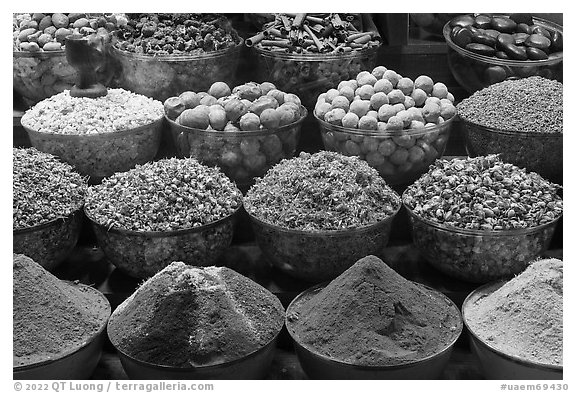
(162,55)
(480,219)
(40,66)
(323,50)
(484,49)
(315,215)
(163,211)
(511,119)
(399,126)
(98,136)
(48,196)
(244,130)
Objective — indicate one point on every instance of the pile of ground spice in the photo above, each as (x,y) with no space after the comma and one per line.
(372,316)
(186,316)
(523,318)
(50,317)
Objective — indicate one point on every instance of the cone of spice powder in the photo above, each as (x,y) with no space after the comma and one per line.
(523,317)
(51,318)
(190,317)
(372,316)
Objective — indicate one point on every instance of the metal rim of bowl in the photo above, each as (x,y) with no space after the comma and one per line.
(96,136)
(88,341)
(317,56)
(240,133)
(50,223)
(482,292)
(411,363)
(39,54)
(328,233)
(191,368)
(157,234)
(388,133)
(519,134)
(177,58)
(481,232)
(446,30)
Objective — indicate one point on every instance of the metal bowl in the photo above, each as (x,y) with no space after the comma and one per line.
(76,363)
(319,366)
(317,256)
(50,243)
(142,254)
(497,364)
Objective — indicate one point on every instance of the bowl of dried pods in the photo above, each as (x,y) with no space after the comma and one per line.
(48,196)
(163,211)
(315,215)
(98,136)
(307,54)
(481,219)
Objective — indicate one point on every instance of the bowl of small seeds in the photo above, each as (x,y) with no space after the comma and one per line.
(481,219)
(98,136)
(521,120)
(47,201)
(396,124)
(163,211)
(316,214)
(162,55)
(244,130)
(484,49)
(307,54)
(40,66)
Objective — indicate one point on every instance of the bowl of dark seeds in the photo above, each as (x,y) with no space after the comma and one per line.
(480,219)
(163,211)
(48,196)
(521,120)
(315,215)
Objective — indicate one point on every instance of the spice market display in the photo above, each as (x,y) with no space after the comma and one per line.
(287,196)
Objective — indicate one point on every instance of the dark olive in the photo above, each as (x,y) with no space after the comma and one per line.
(541,30)
(462,21)
(501,55)
(523,28)
(505,39)
(483,39)
(537,41)
(482,21)
(522,18)
(503,25)
(557,42)
(495,74)
(519,38)
(536,54)
(492,33)
(481,49)
(462,37)
(515,52)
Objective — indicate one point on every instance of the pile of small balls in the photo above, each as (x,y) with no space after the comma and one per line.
(385,100)
(248,107)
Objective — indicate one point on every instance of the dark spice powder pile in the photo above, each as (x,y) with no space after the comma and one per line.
(186,316)
(50,317)
(524,317)
(372,316)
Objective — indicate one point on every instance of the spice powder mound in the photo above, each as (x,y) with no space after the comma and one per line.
(186,316)
(372,316)
(51,318)
(523,317)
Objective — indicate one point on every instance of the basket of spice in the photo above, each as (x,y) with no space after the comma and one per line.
(244,130)
(315,215)
(162,55)
(40,66)
(480,219)
(163,211)
(521,120)
(371,323)
(47,200)
(396,124)
(58,326)
(98,136)
(484,49)
(307,54)
(197,323)
(516,327)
